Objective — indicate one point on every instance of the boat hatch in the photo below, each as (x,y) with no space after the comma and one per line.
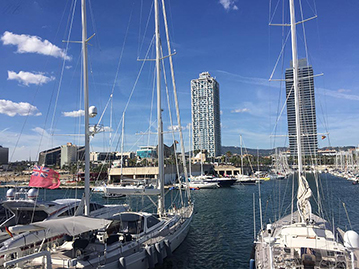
(127,223)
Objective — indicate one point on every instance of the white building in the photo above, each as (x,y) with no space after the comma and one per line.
(206,120)
(68,154)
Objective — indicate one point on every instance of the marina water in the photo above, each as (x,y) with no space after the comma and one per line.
(222,231)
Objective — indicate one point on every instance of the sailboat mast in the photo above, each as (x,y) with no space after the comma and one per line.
(304,192)
(176,99)
(161,174)
(86,107)
(240,137)
(122,140)
(189,151)
(295,84)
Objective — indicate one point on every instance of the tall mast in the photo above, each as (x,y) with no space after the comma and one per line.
(161,174)
(304,192)
(122,140)
(295,84)
(240,137)
(86,105)
(176,99)
(189,151)
(257,159)
(201,133)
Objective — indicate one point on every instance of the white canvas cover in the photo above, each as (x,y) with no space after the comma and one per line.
(70,225)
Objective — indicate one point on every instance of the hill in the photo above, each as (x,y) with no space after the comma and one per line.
(267,152)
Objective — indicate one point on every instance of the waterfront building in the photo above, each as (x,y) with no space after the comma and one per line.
(62,155)
(206,129)
(307,113)
(102,156)
(68,154)
(4,155)
(147,152)
(50,157)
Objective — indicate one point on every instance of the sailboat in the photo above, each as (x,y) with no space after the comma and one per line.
(241,178)
(126,239)
(302,239)
(198,182)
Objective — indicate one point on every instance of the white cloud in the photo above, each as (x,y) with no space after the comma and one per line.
(74,114)
(344,90)
(41,131)
(107,129)
(33,44)
(228,4)
(339,94)
(11,109)
(240,110)
(29,144)
(251,80)
(68,67)
(176,128)
(27,78)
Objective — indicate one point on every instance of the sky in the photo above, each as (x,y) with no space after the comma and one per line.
(41,102)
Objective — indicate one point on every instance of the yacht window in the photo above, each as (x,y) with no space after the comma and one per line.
(69,212)
(94,207)
(151,221)
(130,223)
(26,217)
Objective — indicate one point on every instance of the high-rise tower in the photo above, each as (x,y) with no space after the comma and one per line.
(306,108)
(206,122)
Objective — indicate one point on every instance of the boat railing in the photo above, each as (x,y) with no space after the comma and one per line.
(46,254)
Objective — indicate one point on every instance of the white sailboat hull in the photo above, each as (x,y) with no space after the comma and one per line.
(286,244)
(140,254)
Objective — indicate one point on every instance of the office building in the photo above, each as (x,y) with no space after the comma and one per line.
(307,113)
(4,155)
(50,157)
(206,122)
(68,154)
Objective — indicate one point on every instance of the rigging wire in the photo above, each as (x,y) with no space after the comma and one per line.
(150,122)
(145,31)
(43,132)
(170,117)
(133,89)
(63,66)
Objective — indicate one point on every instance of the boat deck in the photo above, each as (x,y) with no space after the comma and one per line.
(299,245)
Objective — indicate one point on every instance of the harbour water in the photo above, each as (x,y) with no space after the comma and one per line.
(222,230)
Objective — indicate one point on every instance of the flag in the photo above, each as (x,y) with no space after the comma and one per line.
(8,231)
(44,177)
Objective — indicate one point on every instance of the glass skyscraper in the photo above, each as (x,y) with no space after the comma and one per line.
(307,112)
(206,122)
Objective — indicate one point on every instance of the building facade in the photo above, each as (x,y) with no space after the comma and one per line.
(50,157)
(206,122)
(68,154)
(147,152)
(4,155)
(307,111)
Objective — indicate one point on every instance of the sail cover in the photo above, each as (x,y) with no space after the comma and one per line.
(69,225)
(303,196)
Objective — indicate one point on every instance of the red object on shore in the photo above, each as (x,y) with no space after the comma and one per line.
(43,177)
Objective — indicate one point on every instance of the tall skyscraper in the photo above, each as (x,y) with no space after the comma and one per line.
(307,112)
(206,122)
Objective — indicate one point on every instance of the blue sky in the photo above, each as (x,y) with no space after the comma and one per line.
(230,39)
